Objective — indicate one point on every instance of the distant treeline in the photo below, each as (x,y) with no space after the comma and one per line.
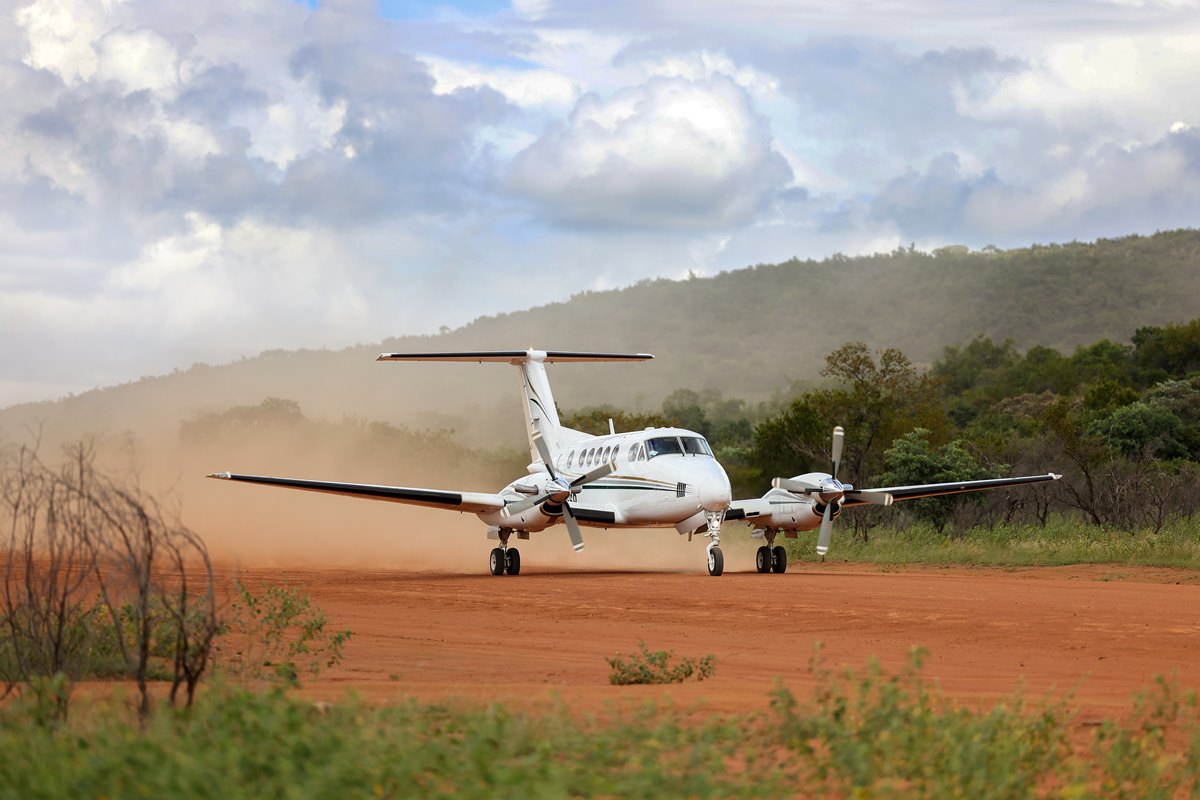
(1120,421)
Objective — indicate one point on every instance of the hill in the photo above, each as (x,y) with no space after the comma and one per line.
(747,333)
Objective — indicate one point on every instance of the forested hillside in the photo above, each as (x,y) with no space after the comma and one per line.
(748,334)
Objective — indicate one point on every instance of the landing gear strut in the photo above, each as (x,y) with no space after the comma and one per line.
(504,558)
(771,559)
(716,559)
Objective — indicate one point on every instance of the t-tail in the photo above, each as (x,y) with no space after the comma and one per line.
(541,415)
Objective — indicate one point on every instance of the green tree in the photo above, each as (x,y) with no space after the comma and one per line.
(912,459)
(1140,429)
(1171,351)
(879,397)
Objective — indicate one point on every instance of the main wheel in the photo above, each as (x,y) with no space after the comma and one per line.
(716,562)
(496,561)
(762,559)
(513,561)
(780,564)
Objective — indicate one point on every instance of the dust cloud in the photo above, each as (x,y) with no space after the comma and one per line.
(268,526)
(263,526)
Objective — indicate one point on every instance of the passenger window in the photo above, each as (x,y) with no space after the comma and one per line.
(604,459)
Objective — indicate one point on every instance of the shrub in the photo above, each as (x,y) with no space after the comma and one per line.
(652,666)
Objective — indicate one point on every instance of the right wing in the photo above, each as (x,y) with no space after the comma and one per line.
(939,489)
(475,502)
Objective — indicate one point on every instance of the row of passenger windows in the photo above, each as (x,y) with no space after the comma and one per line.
(642,451)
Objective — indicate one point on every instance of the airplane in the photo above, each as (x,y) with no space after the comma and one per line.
(654,478)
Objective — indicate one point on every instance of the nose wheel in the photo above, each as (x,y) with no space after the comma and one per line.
(716,561)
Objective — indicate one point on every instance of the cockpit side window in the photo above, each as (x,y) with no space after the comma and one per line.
(663,446)
(694,445)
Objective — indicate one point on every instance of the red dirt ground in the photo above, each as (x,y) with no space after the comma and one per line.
(540,638)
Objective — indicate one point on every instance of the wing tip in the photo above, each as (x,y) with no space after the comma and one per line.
(225,476)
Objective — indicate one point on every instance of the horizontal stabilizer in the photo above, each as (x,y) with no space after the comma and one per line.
(515,356)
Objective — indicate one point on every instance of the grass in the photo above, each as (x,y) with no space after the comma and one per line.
(860,733)
(1062,541)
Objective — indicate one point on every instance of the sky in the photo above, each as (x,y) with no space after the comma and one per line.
(184,182)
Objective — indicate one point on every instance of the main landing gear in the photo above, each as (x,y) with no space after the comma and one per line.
(771,559)
(504,558)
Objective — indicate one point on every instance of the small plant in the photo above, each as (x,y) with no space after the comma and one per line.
(652,666)
(281,633)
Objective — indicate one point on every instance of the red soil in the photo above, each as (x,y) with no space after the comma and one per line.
(542,637)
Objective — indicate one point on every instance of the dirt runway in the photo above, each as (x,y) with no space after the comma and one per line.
(542,638)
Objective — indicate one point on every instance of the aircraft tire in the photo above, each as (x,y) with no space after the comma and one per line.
(779,563)
(496,561)
(762,559)
(716,562)
(513,561)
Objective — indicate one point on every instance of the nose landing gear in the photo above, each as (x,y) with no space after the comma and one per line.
(716,559)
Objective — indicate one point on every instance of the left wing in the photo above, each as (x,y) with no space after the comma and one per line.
(475,502)
(938,489)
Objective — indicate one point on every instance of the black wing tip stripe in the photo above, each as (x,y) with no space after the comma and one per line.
(357,489)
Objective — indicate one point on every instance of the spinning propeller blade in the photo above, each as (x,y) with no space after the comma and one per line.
(795,486)
(572,528)
(836,454)
(563,488)
(826,531)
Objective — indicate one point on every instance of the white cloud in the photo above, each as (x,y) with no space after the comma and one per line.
(207,180)
(669,152)
(139,59)
(532,87)
(60,36)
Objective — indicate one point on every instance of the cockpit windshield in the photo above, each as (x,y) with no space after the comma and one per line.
(677,446)
(663,446)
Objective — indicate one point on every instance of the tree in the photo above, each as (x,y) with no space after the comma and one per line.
(1140,429)
(879,397)
(46,606)
(74,533)
(912,460)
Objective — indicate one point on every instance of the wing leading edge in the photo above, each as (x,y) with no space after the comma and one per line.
(474,502)
(938,489)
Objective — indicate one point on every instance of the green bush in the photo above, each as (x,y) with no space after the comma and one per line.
(859,733)
(276,634)
(653,666)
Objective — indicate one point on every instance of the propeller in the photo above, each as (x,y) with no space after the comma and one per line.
(831,491)
(560,491)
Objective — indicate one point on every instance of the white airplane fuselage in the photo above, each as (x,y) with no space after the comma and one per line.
(660,490)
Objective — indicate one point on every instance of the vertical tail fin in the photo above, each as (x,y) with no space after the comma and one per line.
(541,415)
